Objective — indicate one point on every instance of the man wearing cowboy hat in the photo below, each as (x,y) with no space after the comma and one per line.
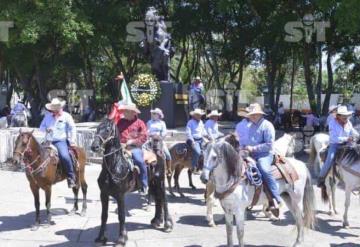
(341,131)
(196,94)
(260,141)
(157,127)
(61,132)
(242,128)
(212,126)
(196,135)
(332,115)
(133,133)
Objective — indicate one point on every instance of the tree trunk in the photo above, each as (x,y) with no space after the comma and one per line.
(280,80)
(271,70)
(319,83)
(329,89)
(292,81)
(308,80)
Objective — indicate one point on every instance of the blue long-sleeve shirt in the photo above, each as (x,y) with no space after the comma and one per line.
(242,132)
(340,134)
(261,137)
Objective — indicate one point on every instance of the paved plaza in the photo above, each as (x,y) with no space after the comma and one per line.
(17,214)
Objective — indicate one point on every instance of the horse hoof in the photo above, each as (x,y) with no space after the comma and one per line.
(72,212)
(155,223)
(83,213)
(346,225)
(121,241)
(182,195)
(193,187)
(100,241)
(336,212)
(211,223)
(35,227)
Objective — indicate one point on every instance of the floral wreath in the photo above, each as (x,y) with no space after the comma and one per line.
(145,89)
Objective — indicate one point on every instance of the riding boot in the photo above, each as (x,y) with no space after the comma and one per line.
(71,182)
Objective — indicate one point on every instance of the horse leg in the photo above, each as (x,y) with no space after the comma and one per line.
(35,190)
(84,187)
(176,178)
(190,179)
(209,197)
(347,205)
(76,199)
(48,204)
(121,215)
(296,211)
(158,219)
(333,189)
(168,226)
(168,176)
(240,220)
(229,228)
(104,216)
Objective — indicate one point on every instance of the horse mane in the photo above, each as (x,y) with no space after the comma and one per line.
(232,159)
(348,155)
(231,139)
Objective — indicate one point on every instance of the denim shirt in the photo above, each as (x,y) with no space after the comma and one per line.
(340,134)
(242,132)
(261,137)
(212,129)
(62,128)
(156,127)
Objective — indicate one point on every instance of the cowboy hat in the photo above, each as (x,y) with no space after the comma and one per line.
(333,107)
(197,111)
(342,110)
(214,113)
(157,111)
(242,112)
(55,105)
(129,107)
(197,78)
(255,109)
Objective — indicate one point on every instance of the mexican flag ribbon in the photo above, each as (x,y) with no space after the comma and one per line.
(116,114)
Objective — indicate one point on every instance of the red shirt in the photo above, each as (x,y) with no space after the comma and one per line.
(132,130)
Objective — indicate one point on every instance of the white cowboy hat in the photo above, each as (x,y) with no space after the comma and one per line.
(197,78)
(214,113)
(55,105)
(242,112)
(197,111)
(333,107)
(255,109)
(157,111)
(129,107)
(342,110)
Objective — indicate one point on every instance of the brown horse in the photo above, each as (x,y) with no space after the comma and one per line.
(43,169)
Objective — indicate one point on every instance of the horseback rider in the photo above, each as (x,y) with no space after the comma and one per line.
(19,109)
(157,128)
(332,115)
(61,132)
(133,133)
(242,128)
(196,136)
(212,126)
(341,132)
(196,94)
(260,141)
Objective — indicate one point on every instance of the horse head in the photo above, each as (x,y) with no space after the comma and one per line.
(23,144)
(105,132)
(222,158)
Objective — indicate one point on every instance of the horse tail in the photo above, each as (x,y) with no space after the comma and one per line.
(309,204)
(312,154)
(324,194)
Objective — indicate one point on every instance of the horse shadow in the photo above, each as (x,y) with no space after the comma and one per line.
(344,245)
(24,221)
(86,237)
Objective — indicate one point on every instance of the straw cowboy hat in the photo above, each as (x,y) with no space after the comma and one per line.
(129,107)
(342,110)
(157,111)
(56,104)
(197,111)
(242,112)
(197,78)
(214,113)
(333,107)
(254,109)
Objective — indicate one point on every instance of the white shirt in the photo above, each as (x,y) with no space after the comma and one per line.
(156,127)
(340,134)
(212,129)
(62,128)
(195,129)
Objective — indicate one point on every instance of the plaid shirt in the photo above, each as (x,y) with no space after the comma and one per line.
(132,130)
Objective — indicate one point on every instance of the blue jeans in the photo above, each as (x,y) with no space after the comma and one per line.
(264,166)
(167,153)
(63,150)
(329,160)
(138,157)
(196,148)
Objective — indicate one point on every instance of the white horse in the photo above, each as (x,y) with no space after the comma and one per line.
(318,146)
(223,161)
(347,169)
(284,146)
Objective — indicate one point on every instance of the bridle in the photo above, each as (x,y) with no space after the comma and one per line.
(104,141)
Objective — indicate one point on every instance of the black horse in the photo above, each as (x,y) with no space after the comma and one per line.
(119,176)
